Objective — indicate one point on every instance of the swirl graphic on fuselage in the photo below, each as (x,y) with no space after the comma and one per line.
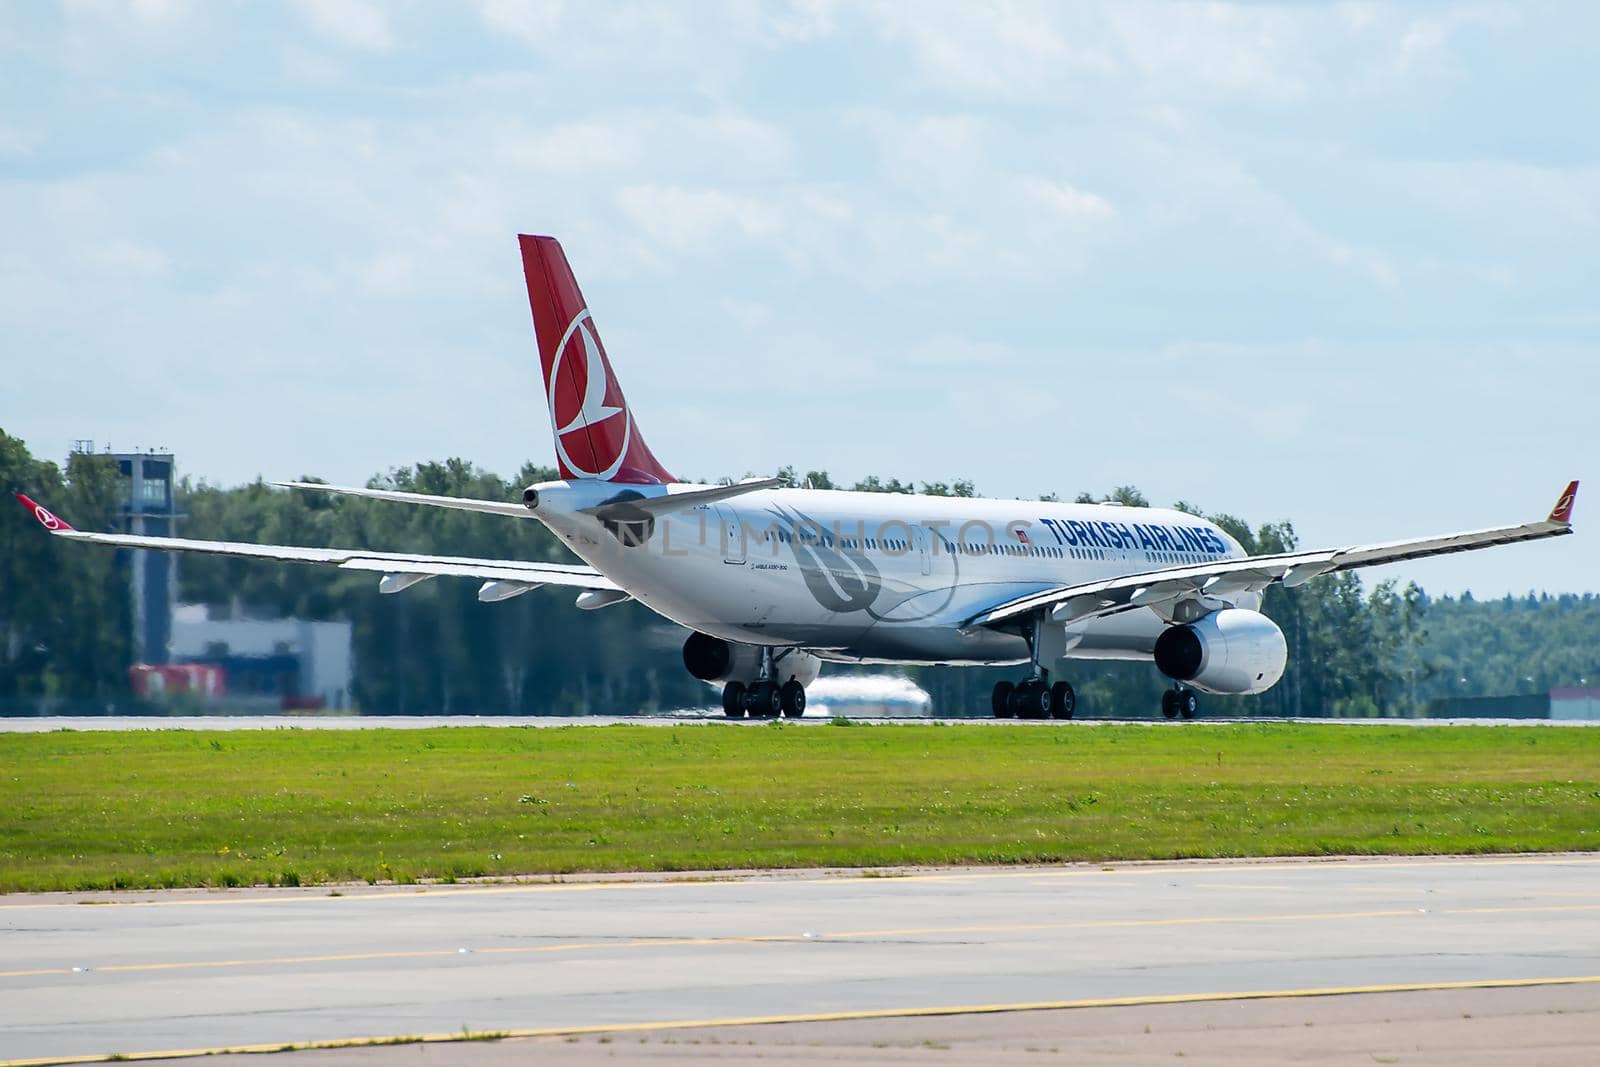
(839,579)
(839,575)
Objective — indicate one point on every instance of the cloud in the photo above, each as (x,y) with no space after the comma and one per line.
(697,218)
(15,144)
(1066,200)
(358,24)
(531,21)
(880,214)
(123,258)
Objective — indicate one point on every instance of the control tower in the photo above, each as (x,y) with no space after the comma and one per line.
(146,506)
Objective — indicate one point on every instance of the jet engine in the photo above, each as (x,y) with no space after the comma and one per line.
(1230,652)
(712,659)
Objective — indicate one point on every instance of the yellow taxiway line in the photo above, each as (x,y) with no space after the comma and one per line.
(818,1017)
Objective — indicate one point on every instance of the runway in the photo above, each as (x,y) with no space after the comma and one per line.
(589,963)
(48,723)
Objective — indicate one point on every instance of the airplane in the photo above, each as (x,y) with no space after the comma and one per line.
(773,581)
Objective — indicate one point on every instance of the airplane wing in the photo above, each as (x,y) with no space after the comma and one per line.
(503,577)
(1225,578)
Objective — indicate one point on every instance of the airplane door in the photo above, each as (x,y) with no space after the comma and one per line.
(733,546)
(924,547)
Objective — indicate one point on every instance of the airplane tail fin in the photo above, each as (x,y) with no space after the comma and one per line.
(594,430)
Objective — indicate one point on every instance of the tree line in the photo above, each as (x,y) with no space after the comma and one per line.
(65,626)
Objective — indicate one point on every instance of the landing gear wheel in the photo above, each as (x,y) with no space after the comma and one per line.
(1062,700)
(1188,703)
(763,701)
(1001,700)
(1033,700)
(733,700)
(1169,704)
(793,698)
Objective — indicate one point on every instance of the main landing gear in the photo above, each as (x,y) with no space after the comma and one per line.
(1034,697)
(1179,701)
(764,698)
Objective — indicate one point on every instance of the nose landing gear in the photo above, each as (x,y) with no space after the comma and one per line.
(1063,701)
(792,696)
(1179,701)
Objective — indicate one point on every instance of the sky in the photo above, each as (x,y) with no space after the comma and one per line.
(1329,263)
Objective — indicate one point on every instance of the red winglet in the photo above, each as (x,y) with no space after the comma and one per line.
(1562,512)
(46,517)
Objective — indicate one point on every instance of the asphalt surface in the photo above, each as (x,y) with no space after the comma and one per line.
(1070,958)
(1540,1026)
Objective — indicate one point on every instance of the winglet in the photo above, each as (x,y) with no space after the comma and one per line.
(46,517)
(1562,512)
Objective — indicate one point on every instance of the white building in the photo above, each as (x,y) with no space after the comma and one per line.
(295,662)
(1575,704)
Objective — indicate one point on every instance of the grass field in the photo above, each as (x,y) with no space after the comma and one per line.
(175,808)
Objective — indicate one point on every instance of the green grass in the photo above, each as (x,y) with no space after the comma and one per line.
(174,808)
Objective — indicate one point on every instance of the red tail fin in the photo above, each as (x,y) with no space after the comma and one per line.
(594,430)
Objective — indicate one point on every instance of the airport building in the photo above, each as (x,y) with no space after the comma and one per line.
(268,664)
(1582,704)
(271,663)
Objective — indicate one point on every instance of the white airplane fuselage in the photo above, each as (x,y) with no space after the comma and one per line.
(880,576)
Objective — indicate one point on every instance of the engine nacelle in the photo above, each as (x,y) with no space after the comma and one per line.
(1230,652)
(711,659)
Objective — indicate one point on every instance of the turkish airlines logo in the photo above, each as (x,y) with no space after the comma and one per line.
(50,521)
(580,342)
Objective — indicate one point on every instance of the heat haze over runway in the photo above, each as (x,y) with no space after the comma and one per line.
(45,724)
(144,972)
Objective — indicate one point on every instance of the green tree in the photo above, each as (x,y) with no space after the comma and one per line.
(873,484)
(65,613)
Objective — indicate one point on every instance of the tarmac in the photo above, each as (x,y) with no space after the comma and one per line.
(1469,960)
(813,717)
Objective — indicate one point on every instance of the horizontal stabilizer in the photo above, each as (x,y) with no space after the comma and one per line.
(639,509)
(457,503)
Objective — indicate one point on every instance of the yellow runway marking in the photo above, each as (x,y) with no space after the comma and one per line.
(1517,908)
(832,1016)
(754,939)
(846,880)
(1243,885)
